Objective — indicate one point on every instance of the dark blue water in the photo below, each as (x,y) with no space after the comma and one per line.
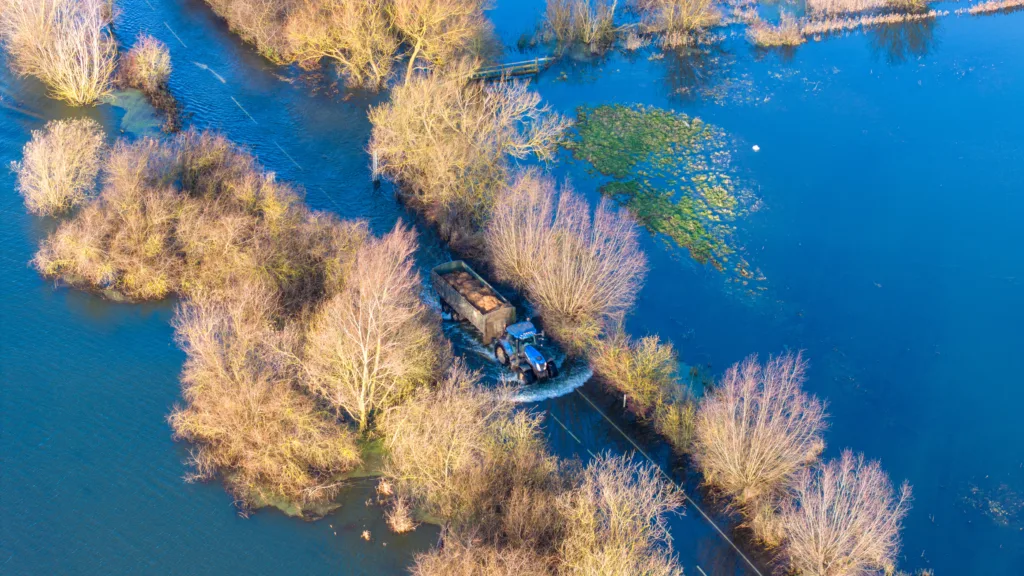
(891,169)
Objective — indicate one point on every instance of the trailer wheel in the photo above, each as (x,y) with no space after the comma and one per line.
(499,353)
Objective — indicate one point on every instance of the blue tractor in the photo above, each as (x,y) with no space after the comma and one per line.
(520,349)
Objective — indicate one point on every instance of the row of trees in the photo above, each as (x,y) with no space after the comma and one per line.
(362,36)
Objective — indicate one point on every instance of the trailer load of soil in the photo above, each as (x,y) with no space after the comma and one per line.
(480,296)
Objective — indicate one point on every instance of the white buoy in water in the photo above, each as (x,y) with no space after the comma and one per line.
(757,148)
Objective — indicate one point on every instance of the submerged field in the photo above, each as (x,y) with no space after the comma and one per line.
(877,219)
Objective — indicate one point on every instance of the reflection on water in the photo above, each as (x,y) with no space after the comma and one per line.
(903,41)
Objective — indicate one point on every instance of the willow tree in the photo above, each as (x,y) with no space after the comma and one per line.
(448,140)
(374,342)
(438,30)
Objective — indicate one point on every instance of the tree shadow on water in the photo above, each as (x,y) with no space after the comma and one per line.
(904,41)
(692,72)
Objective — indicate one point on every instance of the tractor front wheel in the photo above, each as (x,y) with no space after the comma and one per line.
(499,353)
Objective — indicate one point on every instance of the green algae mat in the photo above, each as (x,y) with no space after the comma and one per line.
(673,172)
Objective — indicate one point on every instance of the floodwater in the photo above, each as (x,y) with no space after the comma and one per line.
(890,174)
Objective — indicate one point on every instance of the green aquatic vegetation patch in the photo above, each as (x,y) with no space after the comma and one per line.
(672,171)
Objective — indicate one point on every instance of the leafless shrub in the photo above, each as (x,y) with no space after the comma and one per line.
(147,66)
(581,271)
(590,22)
(844,519)
(469,559)
(616,521)
(675,419)
(244,416)
(59,165)
(785,33)
(447,140)
(758,429)
(399,517)
(438,31)
(375,342)
(65,43)
(677,20)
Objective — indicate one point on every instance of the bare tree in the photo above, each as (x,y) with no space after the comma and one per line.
(357,34)
(245,418)
(473,559)
(616,521)
(844,519)
(59,165)
(448,139)
(65,43)
(581,270)
(591,22)
(437,30)
(758,429)
(375,342)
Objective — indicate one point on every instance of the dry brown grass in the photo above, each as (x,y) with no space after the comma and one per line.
(844,519)
(67,44)
(785,33)
(581,270)
(244,416)
(994,6)
(758,429)
(832,25)
(677,21)
(590,22)
(59,165)
(616,521)
(447,140)
(457,558)
(375,342)
(147,66)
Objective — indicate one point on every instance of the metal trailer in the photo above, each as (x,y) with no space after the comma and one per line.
(490,324)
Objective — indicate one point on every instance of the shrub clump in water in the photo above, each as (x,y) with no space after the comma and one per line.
(67,44)
(59,165)
(147,67)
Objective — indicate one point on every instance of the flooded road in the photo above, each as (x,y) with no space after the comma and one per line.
(890,174)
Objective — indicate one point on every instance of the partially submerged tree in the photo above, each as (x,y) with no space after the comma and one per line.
(448,140)
(616,521)
(244,416)
(374,343)
(757,429)
(581,270)
(590,22)
(645,370)
(147,66)
(60,164)
(67,44)
(844,519)
(677,21)
(439,31)
(357,34)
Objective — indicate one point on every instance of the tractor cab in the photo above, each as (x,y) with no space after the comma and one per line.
(519,349)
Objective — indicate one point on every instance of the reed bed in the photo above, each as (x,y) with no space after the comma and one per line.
(833,25)
(786,33)
(992,7)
